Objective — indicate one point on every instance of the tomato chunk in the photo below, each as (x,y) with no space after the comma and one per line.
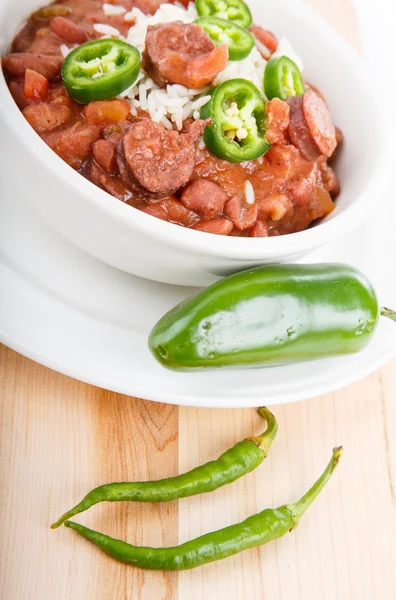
(103,112)
(36,86)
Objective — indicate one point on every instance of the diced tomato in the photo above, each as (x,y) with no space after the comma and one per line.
(36,86)
(104,112)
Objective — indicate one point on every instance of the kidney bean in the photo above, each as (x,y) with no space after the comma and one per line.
(178,213)
(204,197)
(216,226)
(275,207)
(74,143)
(48,66)
(67,30)
(242,214)
(156,210)
(260,229)
(112,185)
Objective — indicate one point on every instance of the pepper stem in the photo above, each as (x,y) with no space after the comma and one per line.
(300,507)
(387,312)
(264,441)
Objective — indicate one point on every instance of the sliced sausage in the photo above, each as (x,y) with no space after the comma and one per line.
(243,215)
(36,86)
(267,42)
(74,143)
(111,185)
(67,30)
(260,229)
(105,155)
(44,117)
(278,121)
(217,226)
(161,161)
(204,197)
(182,53)
(48,66)
(311,128)
(103,112)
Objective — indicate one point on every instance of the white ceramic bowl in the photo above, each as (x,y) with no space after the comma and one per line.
(148,247)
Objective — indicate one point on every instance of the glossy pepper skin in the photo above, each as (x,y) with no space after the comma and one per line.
(257,530)
(239,460)
(269,315)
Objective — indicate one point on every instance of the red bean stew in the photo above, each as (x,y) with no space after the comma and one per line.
(249,160)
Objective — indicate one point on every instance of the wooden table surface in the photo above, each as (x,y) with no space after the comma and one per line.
(60,438)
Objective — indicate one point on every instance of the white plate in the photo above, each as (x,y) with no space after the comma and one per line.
(78,316)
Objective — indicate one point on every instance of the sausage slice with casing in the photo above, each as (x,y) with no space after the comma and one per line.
(311,128)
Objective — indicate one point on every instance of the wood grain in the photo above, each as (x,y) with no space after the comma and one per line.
(59,439)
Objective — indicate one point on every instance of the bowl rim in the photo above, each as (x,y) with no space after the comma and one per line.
(177,237)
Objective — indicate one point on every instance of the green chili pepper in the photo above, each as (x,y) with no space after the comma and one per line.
(232,10)
(237,39)
(270,315)
(238,121)
(100,69)
(243,458)
(282,78)
(271,524)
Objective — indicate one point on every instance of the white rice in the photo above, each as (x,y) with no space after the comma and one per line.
(65,50)
(112,9)
(177,103)
(249,193)
(106,29)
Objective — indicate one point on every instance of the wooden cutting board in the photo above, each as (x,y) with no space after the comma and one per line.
(60,438)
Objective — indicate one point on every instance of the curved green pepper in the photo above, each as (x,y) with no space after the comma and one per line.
(100,69)
(238,121)
(232,10)
(282,78)
(237,39)
(270,315)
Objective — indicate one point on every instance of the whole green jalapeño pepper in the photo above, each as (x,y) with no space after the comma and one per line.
(238,122)
(282,78)
(270,315)
(232,10)
(100,69)
(237,39)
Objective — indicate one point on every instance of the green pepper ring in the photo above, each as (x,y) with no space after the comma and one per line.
(255,145)
(240,43)
(275,86)
(83,87)
(243,16)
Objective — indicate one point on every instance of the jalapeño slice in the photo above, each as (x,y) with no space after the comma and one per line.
(100,69)
(232,10)
(238,114)
(238,40)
